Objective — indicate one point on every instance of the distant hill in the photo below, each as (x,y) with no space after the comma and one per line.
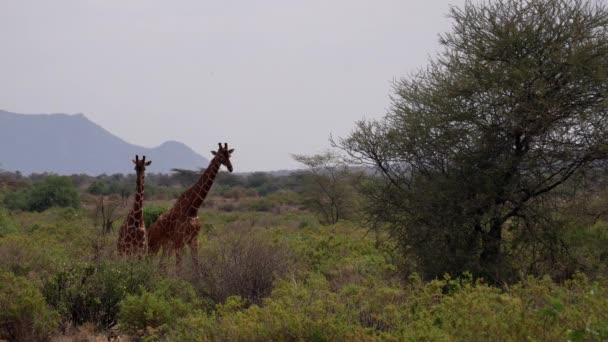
(67,144)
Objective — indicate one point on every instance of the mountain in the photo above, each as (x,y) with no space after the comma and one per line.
(67,144)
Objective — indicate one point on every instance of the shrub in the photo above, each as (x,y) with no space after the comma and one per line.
(296,312)
(151,214)
(17,200)
(91,293)
(28,256)
(155,314)
(7,226)
(54,191)
(51,191)
(98,188)
(257,204)
(227,207)
(234,193)
(25,315)
(241,261)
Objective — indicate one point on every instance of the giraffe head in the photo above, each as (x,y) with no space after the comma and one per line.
(140,164)
(223,154)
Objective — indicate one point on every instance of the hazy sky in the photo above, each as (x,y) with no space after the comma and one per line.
(269,77)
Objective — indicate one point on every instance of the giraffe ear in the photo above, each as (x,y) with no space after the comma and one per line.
(148,162)
(133,160)
(231,150)
(213,152)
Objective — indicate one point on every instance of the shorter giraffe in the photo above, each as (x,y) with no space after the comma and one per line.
(132,239)
(180,226)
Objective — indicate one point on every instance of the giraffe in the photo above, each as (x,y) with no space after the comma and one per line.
(180,225)
(132,238)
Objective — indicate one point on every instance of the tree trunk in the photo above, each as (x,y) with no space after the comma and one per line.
(490,259)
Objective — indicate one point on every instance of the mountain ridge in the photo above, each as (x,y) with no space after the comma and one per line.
(72,143)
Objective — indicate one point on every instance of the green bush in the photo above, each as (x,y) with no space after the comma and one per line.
(151,214)
(155,314)
(257,204)
(98,188)
(25,255)
(92,293)
(17,200)
(54,191)
(24,315)
(51,191)
(7,226)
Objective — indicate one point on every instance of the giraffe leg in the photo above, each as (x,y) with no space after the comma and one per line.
(194,253)
(178,259)
(163,255)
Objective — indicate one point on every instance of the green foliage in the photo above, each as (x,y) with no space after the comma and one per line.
(30,257)
(152,212)
(17,199)
(257,204)
(477,146)
(25,315)
(91,293)
(54,191)
(536,309)
(97,188)
(51,191)
(589,247)
(152,314)
(7,226)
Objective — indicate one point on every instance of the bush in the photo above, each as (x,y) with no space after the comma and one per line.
(439,310)
(151,214)
(241,261)
(51,191)
(295,312)
(17,200)
(25,315)
(235,193)
(155,314)
(54,191)
(7,226)
(227,207)
(257,204)
(91,293)
(29,257)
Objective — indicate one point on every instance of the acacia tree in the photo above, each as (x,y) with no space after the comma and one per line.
(513,107)
(331,193)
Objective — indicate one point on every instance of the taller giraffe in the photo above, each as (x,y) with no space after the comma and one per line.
(132,237)
(180,225)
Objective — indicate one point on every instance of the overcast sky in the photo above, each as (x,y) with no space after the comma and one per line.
(271,78)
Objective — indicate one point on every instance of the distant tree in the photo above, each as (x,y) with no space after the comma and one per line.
(53,191)
(331,192)
(229,179)
(106,213)
(257,179)
(97,188)
(514,107)
(186,177)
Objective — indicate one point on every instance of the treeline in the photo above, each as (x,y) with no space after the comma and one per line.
(328,190)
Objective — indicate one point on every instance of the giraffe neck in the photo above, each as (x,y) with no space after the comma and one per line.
(198,192)
(138,212)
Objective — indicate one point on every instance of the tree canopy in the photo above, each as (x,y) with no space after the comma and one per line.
(512,108)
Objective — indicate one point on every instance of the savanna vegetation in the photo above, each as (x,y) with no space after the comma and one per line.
(475,210)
